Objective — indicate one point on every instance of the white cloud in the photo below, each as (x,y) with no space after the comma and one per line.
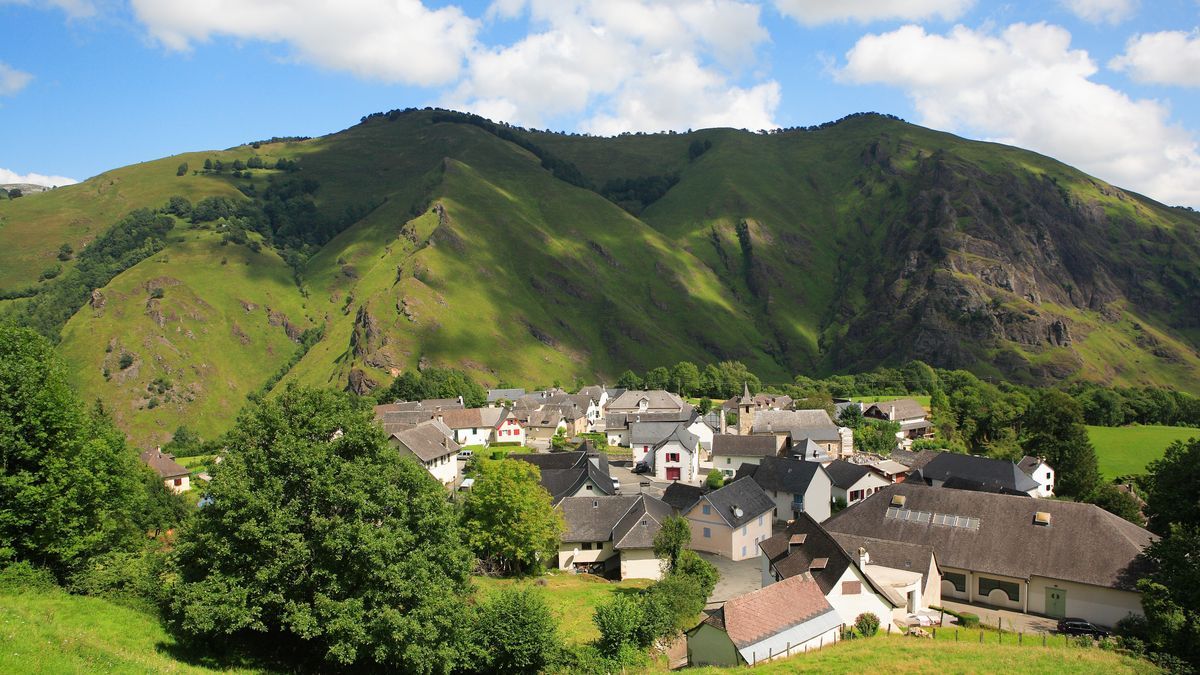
(633,60)
(7,177)
(816,12)
(1102,11)
(1169,57)
(1027,87)
(12,80)
(388,40)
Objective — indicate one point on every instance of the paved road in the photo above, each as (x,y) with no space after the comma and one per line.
(1009,620)
(737,578)
(631,483)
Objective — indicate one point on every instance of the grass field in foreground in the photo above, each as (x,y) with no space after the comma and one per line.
(1126,450)
(53,632)
(895,654)
(572,599)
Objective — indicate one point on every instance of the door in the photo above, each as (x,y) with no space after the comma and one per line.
(1056,603)
(673,473)
(912,602)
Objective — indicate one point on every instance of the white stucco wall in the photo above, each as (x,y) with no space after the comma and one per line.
(640,563)
(688,464)
(1103,606)
(868,484)
(473,436)
(789,643)
(510,431)
(737,543)
(728,464)
(704,432)
(850,606)
(185,484)
(570,553)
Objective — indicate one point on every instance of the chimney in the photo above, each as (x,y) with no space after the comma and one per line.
(863,557)
(795,542)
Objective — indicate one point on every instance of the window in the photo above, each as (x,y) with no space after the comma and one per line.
(743,551)
(958,580)
(707,533)
(729,460)
(760,520)
(851,587)
(672,456)
(1010,589)
(599,546)
(179,481)
(856,495)
(743,530)
(587,545)
(706,509)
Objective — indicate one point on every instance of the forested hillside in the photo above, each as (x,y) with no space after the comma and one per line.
(434,238)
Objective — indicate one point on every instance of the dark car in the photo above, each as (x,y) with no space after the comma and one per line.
(640,467)
(1080,627)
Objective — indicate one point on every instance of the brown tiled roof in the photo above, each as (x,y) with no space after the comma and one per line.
(428,440)
(163,464)
(474,418)
(817,555)
(899,409)
(751,618)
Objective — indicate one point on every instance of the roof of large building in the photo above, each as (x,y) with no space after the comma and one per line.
(629,521)
(593,392)
(494,395)
(760,401)
(897,410)
(844,474)
(779,474)
(751,618)
(814,424)
(972,472)
(914,460)
(657,400)
(1000,534)
(163,464)
(428,440)
(744,446)
(806,548)
(739,502)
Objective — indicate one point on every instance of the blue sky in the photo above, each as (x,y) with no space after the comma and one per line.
(1111,86)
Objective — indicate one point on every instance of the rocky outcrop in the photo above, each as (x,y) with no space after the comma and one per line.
(360,383)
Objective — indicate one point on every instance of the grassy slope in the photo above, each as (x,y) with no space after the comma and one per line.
(52,632)
(572,599)
(1127,450)
(896,654)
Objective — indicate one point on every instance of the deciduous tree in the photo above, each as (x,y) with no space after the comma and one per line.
(509,519)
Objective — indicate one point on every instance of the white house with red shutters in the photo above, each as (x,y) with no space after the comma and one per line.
(675,457)
(483,426)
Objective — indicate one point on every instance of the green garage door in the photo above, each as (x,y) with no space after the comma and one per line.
(1056,602)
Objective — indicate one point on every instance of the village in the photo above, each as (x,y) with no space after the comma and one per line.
(808,534)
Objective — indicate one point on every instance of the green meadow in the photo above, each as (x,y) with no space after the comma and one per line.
(1127,450)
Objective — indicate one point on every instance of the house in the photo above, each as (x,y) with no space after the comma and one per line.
(894,567)
(731,521)
(483,426)
(973,472)
(1041,472)
(1039,556)
(644,435)
(681,497)
(889,470)
(730,452)
(431,444)
(541,424)
(618,427)
(653,401)
(599,398)
(793,426)
(759,401)
(796,486)
(676,457)
(913,460)
(704,429)
(509,395)
(583,473)
(806,550)
(807,450)
(175,477)
(906,412)
(853,483)
(781,620)
(612,535)
(403,415)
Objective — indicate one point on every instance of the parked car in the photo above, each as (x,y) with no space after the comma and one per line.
(640,467)
(1080,627)
(616,485)
(465,454)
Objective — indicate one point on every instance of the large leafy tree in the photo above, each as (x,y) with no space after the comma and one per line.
(1053,427)
(70,488)
(673,537)
(1173,486)
(685,378)
(434,383)
(321,541)
(509,518)
(515,632)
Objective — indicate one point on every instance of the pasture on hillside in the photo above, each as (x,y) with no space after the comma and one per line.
(1126,450)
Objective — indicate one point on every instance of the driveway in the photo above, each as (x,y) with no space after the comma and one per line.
(1009,620)
(631,483)
(737,578)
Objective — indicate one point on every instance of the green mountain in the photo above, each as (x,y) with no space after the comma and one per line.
(429,237)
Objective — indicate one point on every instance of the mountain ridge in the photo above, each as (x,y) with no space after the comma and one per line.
(429,238)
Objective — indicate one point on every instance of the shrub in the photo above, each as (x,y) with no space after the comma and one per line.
(1082,641)
(618,621)
(703,574)
(515,632)
(23,576)
(715,480)
(1131,644)
(156,292)
(968,620)
(65,252)
(867,623)
(125,361)
(182,170)
(50,272)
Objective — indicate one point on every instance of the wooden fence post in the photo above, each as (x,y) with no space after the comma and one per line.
(980,636)
(1043,639)
(956,635)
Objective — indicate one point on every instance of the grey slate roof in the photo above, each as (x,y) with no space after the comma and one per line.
(844,474)
(742,495)
(744,446)
(914,460)
(1083,543)
(818,544)
(494,395)
(782,475)
(814,424)
(971,472)
(641,523)
(650,433)
(428,440)
(474,418)
(682,497)
(657,401)
(894,554)
(679,434)
(563,473)
(1028,465)
(899,409)
(809,451)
